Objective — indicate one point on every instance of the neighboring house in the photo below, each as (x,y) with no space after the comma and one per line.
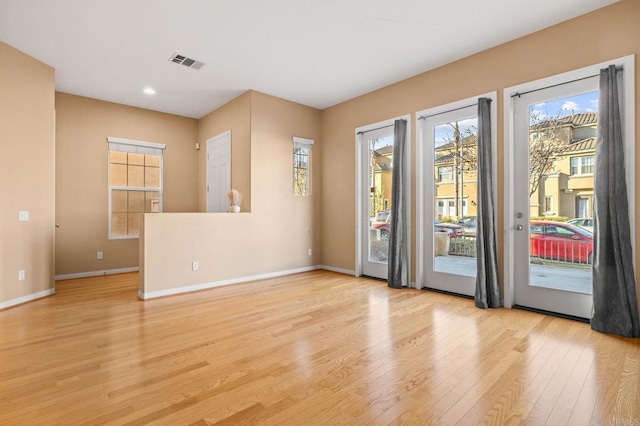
(567,188)
(455,177)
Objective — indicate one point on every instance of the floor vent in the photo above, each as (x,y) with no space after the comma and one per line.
(187,62)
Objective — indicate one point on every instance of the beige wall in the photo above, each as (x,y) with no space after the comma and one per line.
(605,34)
(27,174)
(273,237)
(236,117)
(82,126)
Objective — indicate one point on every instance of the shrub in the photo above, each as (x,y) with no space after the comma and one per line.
(448,219)
(551,218)
(379,251)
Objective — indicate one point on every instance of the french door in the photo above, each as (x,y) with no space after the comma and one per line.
(449,194)
(554,139)
(375,148)
(374,166)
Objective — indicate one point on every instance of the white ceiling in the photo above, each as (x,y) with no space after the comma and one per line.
(318,53)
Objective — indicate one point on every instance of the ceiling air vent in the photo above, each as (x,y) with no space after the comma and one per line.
(187,62)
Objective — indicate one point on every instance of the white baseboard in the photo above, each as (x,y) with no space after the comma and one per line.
(338,270)
(27,298)
(96,273)
(204,286)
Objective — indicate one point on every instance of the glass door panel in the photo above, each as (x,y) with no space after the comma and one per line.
(554,150)
(455,147)
(450,166)
(376,151)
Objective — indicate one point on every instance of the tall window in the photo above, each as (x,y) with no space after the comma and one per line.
(302,166)
(548,207)
(135,184)
(582,165)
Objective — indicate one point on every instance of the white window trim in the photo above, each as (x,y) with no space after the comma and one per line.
(440,175)
(628,129)
(136,147)
(580,165)
(307,144)
(302,142)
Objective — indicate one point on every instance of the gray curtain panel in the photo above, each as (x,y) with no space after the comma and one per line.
(398,275)
(487,287)
(615,307)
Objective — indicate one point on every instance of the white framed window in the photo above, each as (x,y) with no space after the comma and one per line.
(302,166)
(135,184)
(548,204)
(445,174)
(583,165)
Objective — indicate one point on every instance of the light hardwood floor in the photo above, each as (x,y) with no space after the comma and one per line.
(312,348)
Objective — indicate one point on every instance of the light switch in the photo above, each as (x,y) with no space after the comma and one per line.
(23,215)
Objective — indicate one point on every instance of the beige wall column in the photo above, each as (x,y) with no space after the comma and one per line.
(27,176)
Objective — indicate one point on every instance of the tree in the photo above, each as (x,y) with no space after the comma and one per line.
(379,166)
(461,149)
(376,202)
(547,141)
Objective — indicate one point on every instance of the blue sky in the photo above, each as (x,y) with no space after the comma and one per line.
(587,102)
(444,132)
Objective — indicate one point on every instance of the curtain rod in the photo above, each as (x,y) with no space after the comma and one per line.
(560,84)
(373,130)
(444,112)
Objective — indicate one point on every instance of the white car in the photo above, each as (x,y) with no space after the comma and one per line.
(583,222)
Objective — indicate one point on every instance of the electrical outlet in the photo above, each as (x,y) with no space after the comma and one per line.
(99,255)
(310,252)
(23,215)
(195,266)
(21,275)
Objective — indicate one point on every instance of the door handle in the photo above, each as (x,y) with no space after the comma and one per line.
(519,228)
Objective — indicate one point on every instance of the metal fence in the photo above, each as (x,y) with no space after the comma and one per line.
(569,251)
(463,246)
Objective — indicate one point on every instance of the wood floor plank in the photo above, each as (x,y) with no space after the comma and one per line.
(312,348)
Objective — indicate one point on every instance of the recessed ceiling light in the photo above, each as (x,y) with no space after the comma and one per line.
(149,91)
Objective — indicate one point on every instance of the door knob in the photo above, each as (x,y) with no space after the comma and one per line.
(519,228)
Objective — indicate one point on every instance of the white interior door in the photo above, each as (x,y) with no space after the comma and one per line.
(449,186)
(218,172)
(554,160)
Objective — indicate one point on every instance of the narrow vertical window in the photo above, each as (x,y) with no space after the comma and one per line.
(302,166)
(548,207)
(135,184)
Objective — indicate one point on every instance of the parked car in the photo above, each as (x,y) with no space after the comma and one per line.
(583,222)
(469,224)
(560,241)
(380,219)
(452,229)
